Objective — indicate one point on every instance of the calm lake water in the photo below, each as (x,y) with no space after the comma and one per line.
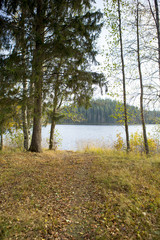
(74,137)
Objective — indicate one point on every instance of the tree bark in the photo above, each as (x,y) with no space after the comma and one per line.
(25,111)
(156,20)
(24,103)
(36,135)
(124,80)
(141,85)
(158,34)
(53,123)
(56,106)
(52,144)
(25,127)
(1,141)
(38,79)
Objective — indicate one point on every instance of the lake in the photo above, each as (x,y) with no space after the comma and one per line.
(74,137)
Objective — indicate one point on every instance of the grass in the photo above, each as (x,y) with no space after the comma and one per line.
(95,194)
(131,187)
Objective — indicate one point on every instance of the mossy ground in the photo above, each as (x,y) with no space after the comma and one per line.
(72,195)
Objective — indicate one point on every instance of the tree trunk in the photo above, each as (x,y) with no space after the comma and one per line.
(24,100)
(141,85)
(30,108)
(56,106)
(1,141)
(124,80)
(37,118)
(38,80)
(156,20)
(158,34)
(25,128)
(25,117)
(36,135)
(52,144)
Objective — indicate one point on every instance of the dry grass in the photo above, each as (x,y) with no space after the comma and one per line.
(131,186)
(98,194)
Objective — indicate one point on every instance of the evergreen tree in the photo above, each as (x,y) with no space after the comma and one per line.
(50,30)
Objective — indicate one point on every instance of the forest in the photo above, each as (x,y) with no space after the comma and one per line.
(104,112)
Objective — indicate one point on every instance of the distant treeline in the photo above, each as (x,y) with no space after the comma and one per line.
(110,112)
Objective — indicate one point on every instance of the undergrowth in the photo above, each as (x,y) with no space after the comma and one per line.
(130,185)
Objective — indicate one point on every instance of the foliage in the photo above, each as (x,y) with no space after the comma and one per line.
(14,139)
(71,113)
(137,143)
(57,139)
(133,114)
(119,143)
(65,114)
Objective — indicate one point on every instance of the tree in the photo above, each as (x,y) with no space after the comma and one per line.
(124,79)
(72,86)
(141,83)
(73,30)
(49,31)
(156,20)
(16,53)
(22,51)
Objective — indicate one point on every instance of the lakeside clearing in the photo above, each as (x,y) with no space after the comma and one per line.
(79,195)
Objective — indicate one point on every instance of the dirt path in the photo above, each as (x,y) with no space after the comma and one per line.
(78,204)
(50,196)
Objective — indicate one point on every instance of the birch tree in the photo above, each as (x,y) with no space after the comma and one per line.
(141,83)
(124,79)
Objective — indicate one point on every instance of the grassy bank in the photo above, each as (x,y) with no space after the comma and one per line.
(95,194)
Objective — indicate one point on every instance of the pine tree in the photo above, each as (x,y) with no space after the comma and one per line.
(55,30)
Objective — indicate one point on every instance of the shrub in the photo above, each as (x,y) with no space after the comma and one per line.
(137,143)
(119,143)
(14,139)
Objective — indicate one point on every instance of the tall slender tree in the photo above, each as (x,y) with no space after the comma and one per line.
(141,83)
(124,78)
(155,15)
(21,44)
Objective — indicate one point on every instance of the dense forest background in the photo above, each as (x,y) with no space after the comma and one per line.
(106,111)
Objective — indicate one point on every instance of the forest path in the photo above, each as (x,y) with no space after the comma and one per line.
(78,203)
